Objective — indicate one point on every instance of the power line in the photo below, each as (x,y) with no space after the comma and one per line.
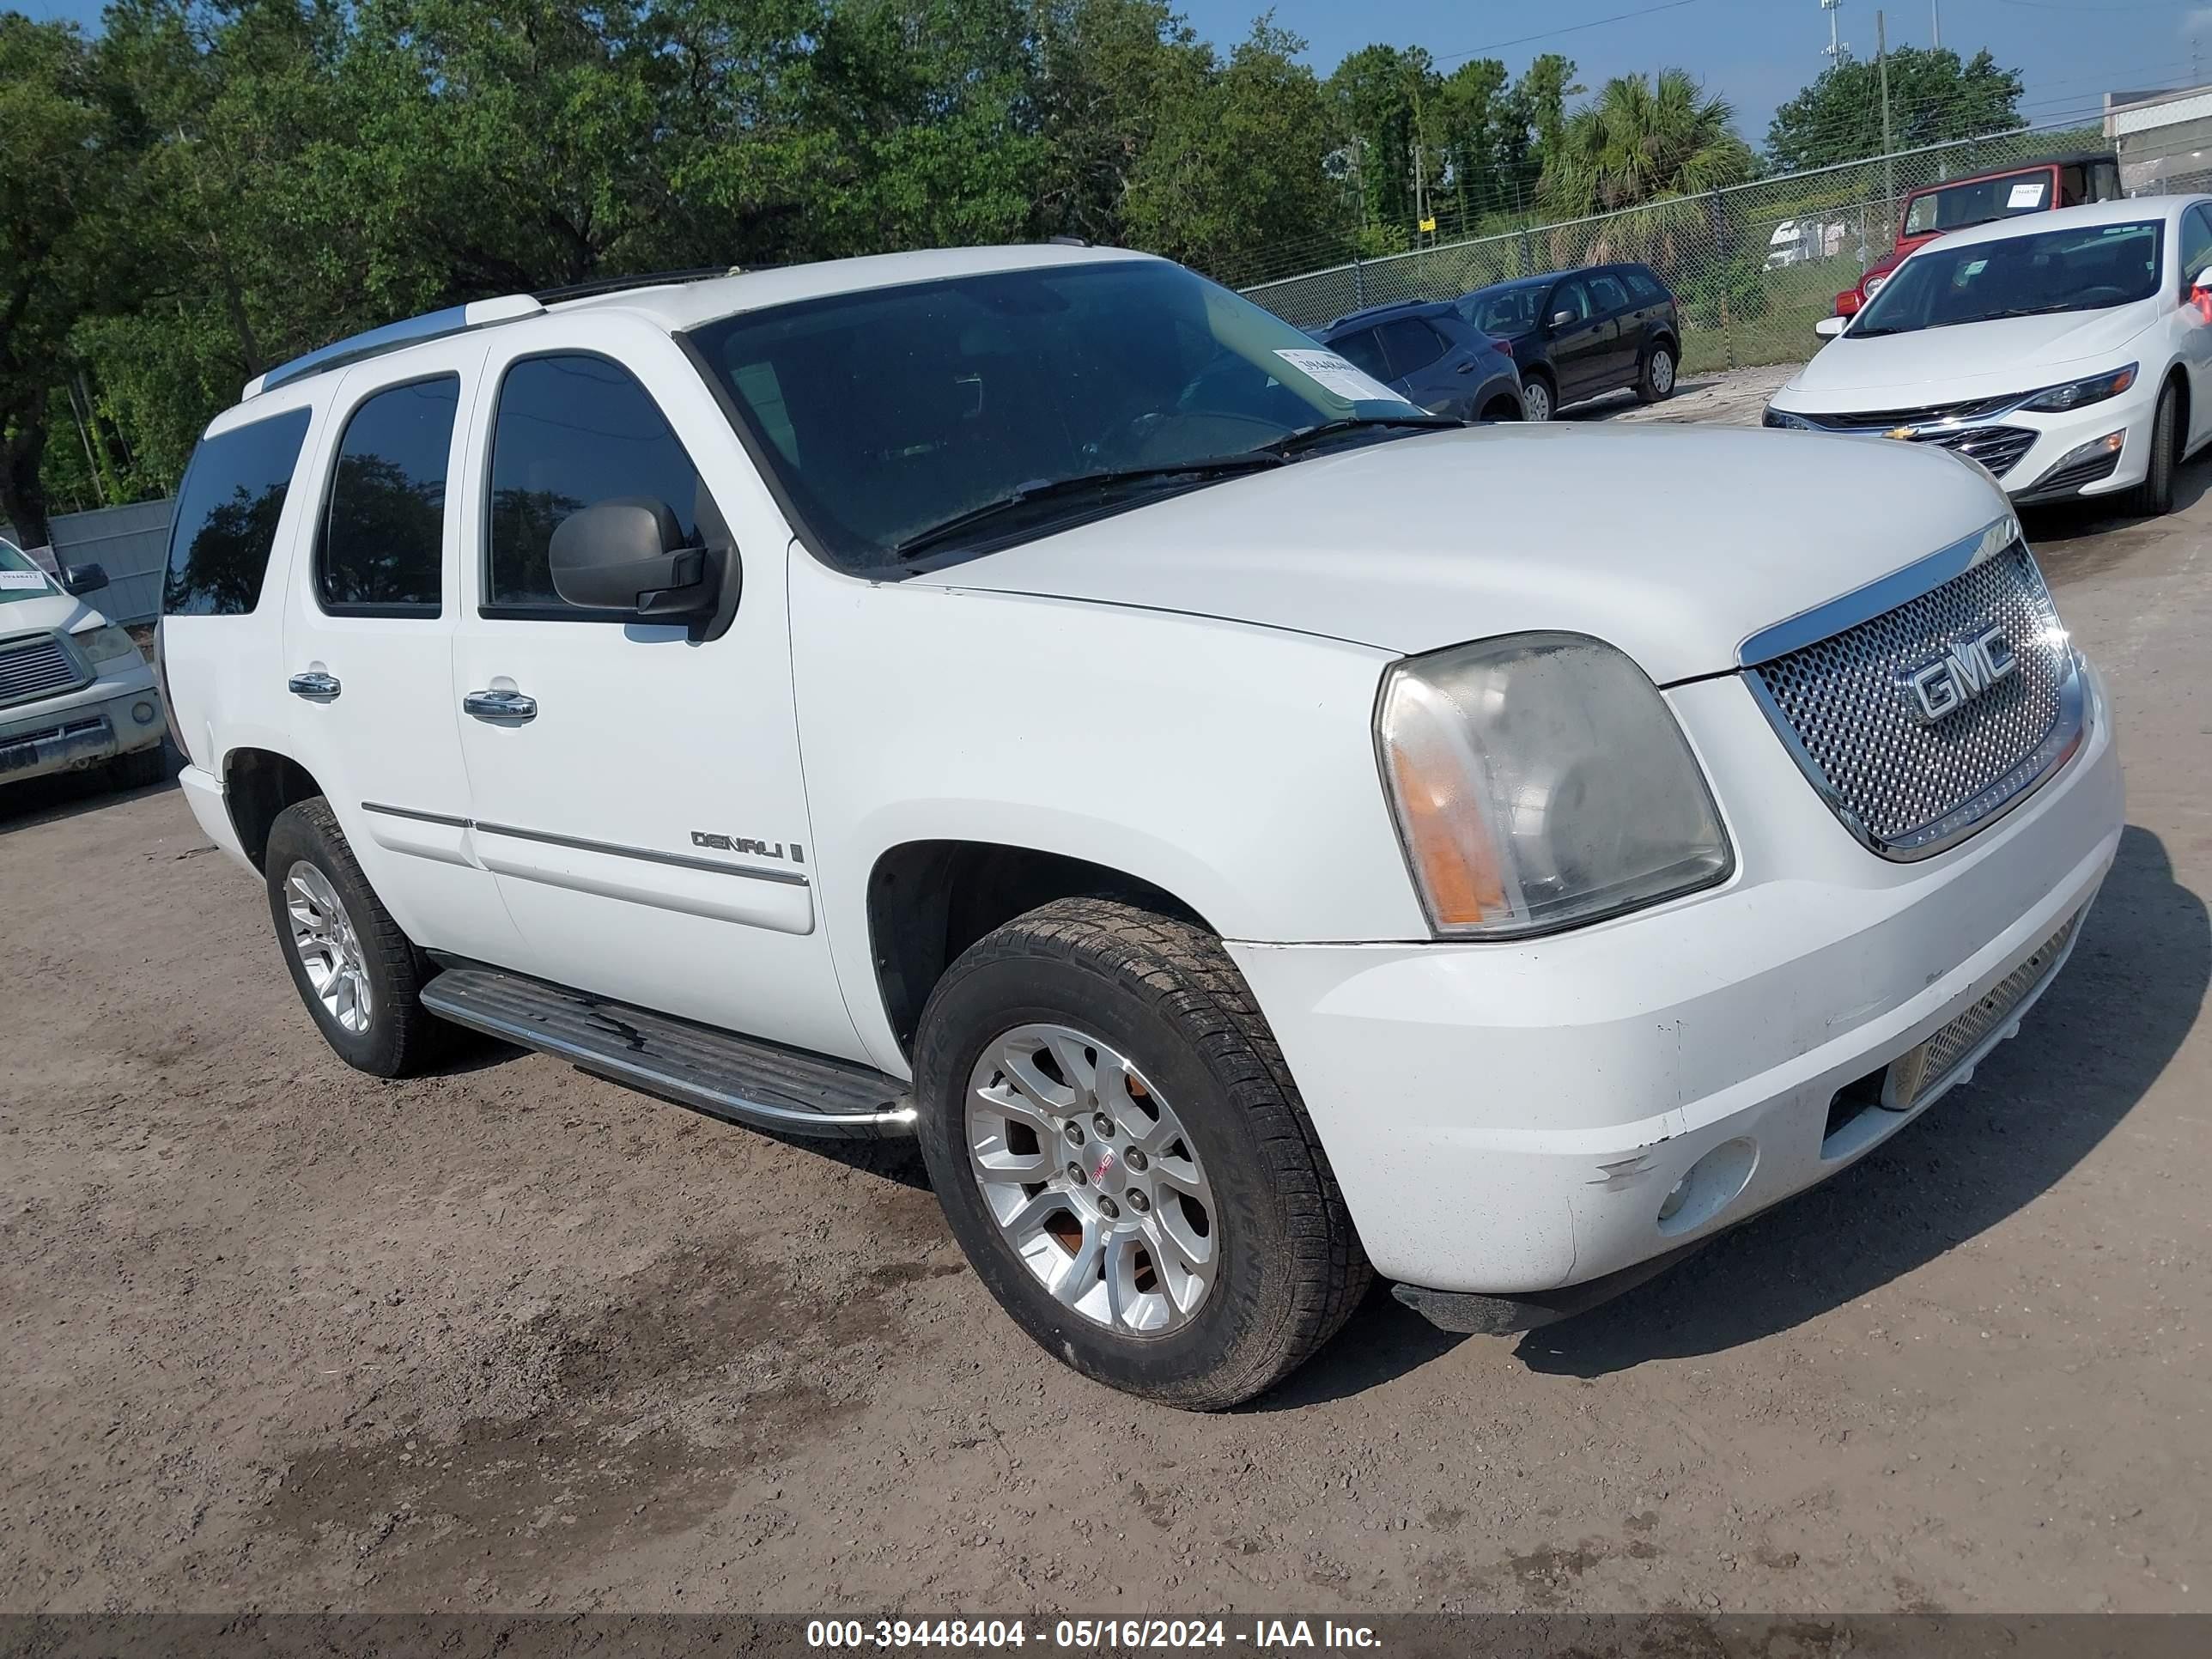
(1572,28)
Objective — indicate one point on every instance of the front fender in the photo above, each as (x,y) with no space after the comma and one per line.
(1232,765)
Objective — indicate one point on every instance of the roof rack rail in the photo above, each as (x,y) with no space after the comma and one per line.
(644,279)
(431,325)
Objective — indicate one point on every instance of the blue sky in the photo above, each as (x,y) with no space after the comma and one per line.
(1755,52)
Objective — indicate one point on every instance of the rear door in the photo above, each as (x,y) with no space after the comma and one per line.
(635,784)
(369,638)
(1579,339)
(1619,354)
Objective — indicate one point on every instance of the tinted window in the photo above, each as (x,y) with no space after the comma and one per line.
(1412,345)
(1979,202)
(227,517)
(382,544)
(1503,310)
(574,431)
(1570,298)
(1643,284)
(1362,350)
(2195,245)
(1607,293)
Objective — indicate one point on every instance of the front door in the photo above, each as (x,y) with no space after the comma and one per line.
(635,784)
(1578,338)
(369,642)
(1617,358)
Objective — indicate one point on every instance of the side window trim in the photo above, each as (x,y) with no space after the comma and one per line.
(318,539)
(2201,216)
(486,515)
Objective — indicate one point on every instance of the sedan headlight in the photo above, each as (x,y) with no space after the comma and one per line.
(106,644)
(2078,394)
(1540,781)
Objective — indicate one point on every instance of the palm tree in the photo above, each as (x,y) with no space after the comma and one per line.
(1638,141)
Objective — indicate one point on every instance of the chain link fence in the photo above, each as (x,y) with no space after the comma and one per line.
(1753,267)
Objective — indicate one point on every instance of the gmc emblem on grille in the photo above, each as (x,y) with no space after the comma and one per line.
(1961,674)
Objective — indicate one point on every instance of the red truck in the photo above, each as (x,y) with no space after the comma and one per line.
(2056,181)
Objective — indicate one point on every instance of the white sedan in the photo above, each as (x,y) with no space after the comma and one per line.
(2069,354)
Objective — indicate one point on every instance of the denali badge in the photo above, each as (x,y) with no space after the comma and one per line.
(746,844)
(1960,675)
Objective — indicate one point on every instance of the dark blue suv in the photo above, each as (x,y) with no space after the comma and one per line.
(1427,353)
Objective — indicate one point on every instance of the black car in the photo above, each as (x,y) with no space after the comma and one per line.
(1576,334)
(1427,352)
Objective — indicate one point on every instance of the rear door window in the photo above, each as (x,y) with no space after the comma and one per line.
(227,513)
(1607,294)
(1362,350)
(1410,345)
(1643,285)
(382,547)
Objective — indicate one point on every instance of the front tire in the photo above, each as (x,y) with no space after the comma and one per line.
(1656,382)
(358,974)
(1122,1155)
(2154,496)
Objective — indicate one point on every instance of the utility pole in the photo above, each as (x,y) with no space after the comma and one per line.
(1889,161)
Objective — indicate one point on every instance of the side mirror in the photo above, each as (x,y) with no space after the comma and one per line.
(1562,319)
(1828,327)
(628,554)
(79,579)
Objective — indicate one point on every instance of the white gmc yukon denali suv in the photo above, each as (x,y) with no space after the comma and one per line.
(1257,834)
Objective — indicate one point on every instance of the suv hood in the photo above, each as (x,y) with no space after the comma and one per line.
(1968,360)
(1673,542)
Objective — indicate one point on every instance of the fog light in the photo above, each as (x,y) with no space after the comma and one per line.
(1708,1186)
(145,713)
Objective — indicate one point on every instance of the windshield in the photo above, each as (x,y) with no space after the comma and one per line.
(1503,310)
(889,413)
(2081,267)
(20,579)
(1978,202)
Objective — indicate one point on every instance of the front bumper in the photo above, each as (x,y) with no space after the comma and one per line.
(1508,1119)
(114,714)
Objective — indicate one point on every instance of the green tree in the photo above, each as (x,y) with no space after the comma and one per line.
(1933,96)
(1640,141)
(70,145)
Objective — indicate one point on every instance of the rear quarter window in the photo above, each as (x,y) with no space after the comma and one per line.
(227,516)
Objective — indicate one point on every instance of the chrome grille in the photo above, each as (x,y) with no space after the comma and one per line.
(1996,447)
(1907,786)
(36,667)
(1880,420)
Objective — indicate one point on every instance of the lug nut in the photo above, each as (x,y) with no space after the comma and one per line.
(1108,1208)
(1105,1125)
(1138,1201)
(1074,1133)
(1075,1174)
(1135,1159)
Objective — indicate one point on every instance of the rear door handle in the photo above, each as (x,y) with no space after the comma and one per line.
(500,708)
(314,685)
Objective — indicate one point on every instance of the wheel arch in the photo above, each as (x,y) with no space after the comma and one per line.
(256,785)
(2178,378)
(928,901)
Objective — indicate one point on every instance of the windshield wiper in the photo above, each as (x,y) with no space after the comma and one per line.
(1100,484)
(1305,437)
(2025,310)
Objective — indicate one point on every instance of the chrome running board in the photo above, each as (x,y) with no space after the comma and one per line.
(762,1085)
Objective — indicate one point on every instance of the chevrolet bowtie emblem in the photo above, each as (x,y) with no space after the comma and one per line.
(1898,432)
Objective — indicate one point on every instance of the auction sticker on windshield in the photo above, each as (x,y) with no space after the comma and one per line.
(2027,195)
(1338,377)
(30,579)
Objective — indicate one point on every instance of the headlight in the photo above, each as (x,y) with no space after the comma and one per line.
(1871,286)
(1540,781)
(105,644)
(2077,394)
(1784,420)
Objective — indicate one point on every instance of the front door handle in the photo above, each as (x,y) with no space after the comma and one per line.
(500,708)
(314,685)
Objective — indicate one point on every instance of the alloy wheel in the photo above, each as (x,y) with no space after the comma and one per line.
(323,939)
(1092,1179)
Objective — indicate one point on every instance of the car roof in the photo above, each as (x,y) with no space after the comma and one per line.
(2062,159)
(686,299)
(1374,314)
(2127,210)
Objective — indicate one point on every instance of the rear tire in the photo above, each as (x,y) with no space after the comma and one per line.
(1538,401)
(2154,496)
(358,974)
(1656,383)
(1052,1055)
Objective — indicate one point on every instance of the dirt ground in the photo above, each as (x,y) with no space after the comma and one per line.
(281,1337)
